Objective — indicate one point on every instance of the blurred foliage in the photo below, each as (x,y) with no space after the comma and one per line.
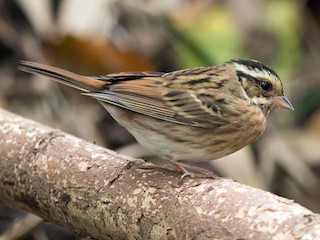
(208,39)
(218,38)
(283,21)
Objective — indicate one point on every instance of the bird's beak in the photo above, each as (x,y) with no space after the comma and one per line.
(283,102)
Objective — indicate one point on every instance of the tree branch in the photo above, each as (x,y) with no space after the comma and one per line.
(97,192)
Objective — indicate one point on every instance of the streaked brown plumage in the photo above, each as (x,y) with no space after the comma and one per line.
(191,115)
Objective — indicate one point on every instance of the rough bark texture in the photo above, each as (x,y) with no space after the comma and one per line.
(94,191)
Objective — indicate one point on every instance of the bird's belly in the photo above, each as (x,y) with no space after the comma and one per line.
(182,142)
(168,148)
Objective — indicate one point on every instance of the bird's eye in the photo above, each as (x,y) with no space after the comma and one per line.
(265,85)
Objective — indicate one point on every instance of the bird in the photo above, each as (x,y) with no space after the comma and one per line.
(185,116)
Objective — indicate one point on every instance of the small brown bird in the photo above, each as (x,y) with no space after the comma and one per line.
(191,115)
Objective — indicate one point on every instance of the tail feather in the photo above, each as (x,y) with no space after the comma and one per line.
(83,83)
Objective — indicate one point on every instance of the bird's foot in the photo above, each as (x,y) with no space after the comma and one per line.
(193,171)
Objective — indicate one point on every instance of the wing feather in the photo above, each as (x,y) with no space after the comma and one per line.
(181,106)
(171,97)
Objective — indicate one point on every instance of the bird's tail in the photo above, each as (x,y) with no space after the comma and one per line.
(83,83)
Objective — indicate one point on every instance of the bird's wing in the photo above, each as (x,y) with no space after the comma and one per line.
(151,94)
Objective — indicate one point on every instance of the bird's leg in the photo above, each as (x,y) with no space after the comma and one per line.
(182,166)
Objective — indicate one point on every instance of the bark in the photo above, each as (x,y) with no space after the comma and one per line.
(96,192)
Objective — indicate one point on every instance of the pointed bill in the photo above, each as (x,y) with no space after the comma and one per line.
(283,102)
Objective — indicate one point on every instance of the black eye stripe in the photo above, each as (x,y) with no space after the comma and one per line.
(244,75)
(264,84)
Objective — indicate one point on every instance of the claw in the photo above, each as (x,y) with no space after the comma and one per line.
(187,174)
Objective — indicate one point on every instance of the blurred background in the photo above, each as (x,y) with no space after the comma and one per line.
(104,36)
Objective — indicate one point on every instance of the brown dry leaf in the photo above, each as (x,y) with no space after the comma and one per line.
(94,57)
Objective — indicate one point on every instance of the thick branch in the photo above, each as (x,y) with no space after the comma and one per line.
(94,191)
